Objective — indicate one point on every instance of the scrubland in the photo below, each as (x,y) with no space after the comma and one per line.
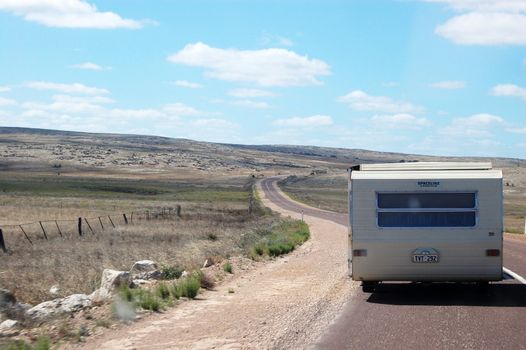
(215,222)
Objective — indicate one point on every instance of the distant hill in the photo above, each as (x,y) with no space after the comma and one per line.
(120,154)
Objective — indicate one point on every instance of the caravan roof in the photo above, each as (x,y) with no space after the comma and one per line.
(423,166)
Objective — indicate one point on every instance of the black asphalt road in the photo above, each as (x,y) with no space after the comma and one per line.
(427,316)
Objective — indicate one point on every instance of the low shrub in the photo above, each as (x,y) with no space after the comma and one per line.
(42,343)
(176,290)
(227,267)
(205,281)
(103,323)
(283,239)
(148,301)
(162,291)
(212,236)
(190,287)
(126,293)
(170,272)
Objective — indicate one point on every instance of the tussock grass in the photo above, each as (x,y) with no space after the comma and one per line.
(170,272)
(227,267)
(282,239)
(187,287)
(42,343)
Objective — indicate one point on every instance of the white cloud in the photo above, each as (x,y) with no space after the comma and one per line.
(485,22)
(482,120)
(478,28)
(266,67)
(485,5)
(90,66)
(509,90)
(214,123)
(4,88)
(181,109)
(449,84)
(67,14)
(251,104)
(271,39)
(66,88)
(251,93)
(312,121)
(477,125)
(360,101)
(82,99)
(187,84)
(518,130)
(400,121)
(6,101)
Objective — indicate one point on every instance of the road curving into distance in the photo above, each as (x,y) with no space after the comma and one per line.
(430,316)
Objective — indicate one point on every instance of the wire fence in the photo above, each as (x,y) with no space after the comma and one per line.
(66,229)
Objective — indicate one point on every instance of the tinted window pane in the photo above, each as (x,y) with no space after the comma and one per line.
(442,219)
(425,200)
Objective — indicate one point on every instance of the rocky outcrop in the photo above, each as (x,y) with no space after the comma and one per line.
(10,308)
(58,307)
(9,328)
(145,270)
(111,280)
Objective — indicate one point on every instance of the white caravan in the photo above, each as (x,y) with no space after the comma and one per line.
(425,221)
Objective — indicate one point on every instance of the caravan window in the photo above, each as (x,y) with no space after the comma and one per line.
(427,209)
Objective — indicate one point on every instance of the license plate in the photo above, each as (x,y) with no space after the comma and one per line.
(425,258)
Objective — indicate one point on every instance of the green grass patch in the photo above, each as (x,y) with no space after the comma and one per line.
(170,272)
(107,188)
(513,230)
(283,239)
(42,343)
(227,267)
(162,291)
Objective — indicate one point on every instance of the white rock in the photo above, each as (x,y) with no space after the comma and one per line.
(9,328)
(145,269)
(139,282)
(184,274)
(110,281)
(208,262)
(57,307)
(54,291)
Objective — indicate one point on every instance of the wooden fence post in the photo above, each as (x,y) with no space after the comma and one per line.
(2,243)
(178,210)
(42,227)
(101,225)
(80,226)
(89,226)
(131,217)
(111,221)
(58,228)
(25,234)
(125,219)
(147,215)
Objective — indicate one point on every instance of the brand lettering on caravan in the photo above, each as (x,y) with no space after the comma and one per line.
(428,183)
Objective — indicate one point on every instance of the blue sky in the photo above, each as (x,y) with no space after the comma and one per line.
(444,77)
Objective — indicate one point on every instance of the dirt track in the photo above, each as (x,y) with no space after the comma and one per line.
(286,303)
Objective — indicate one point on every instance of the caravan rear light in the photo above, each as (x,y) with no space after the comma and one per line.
(359,252)
(493,252)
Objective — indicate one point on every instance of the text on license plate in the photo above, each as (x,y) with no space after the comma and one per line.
(425,258)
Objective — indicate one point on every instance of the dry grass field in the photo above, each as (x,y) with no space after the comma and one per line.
(214,222)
